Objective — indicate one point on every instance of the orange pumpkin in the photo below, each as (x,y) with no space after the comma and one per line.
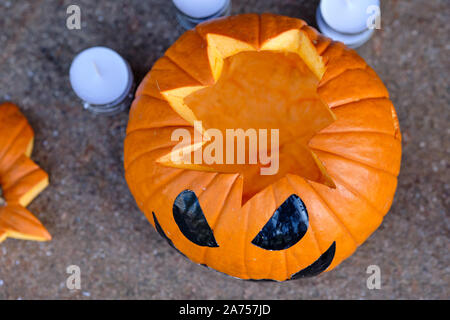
(21,180)
(339,154)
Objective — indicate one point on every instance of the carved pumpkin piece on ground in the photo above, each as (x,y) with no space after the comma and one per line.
(21,180)
(339,154)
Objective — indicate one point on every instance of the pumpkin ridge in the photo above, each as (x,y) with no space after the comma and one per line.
(28,187)
(147,153)
(139,181)
(335,215)
(359,195)
(286,264)
(374,150)
(295,254)
(162,115)
(150,196)
(145,82)
(160,186)
(245,247)
(373,221)
(19,179)
(283,252)
(215,223)
(198,197)
(259,32)
(12,140)
(351,155)
(317,39)
(9,170)
(153,128)
(247,241)
(203,189)
(153,162)
(157,188)
(337,45)
(198,194)
(354,160)
(16,157)
(269,270)
(235,31)
(322,50)
(359,100)
(355,131)
(310,227)
(338,161)
(220,205)
(185,71)
(381,90)
(12,228)
(322,83)
(387,126)
(12,223)
(340,59)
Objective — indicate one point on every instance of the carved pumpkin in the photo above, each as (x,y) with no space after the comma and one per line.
(21,180)
(339,148)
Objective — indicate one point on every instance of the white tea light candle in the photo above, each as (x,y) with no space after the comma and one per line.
(346,20)
(189,13)
(101,78)
(199,8)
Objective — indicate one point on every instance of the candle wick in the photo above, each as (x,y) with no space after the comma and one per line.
(97,71)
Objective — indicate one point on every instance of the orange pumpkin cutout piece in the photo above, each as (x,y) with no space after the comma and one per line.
(264,72)
(21,180)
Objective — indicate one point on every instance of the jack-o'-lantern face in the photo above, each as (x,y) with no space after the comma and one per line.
(339,148)
(287,226)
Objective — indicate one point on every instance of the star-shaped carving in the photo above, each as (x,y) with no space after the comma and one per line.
(272,87)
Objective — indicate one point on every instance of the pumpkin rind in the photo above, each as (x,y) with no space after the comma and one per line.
(21,180)
(360,151)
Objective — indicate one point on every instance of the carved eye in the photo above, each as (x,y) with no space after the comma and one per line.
(286,227)
(190,219)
